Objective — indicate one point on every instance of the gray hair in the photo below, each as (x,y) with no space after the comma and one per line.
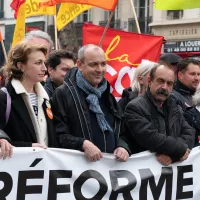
(83,49)
(196,97)
(39,34)
(143,69)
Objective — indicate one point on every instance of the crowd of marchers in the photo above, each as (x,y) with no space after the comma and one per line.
(73,107)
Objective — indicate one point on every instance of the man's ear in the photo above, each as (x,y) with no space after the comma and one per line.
(50,69)
(180,75)
(149,81)
(79,65)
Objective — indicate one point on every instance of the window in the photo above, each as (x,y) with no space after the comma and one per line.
(106,15)
(142,11)
(106,18)
(174,14)
(132,25)
(1,9)
(115,21)
(85,16)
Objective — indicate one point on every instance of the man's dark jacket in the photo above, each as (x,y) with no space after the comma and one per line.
(3,105)
(50,87)
(182,95)
(3,109)
(192,116)
(127,95)
(146,125)
(73,124)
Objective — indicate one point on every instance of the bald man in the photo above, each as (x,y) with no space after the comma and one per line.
(87,116)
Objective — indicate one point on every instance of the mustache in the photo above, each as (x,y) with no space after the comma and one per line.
(163,92)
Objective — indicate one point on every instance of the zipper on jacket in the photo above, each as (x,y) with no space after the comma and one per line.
(105,145)
(85,119)
(118,129)
(171,116)
(115,129)
(82,112)
(76,108)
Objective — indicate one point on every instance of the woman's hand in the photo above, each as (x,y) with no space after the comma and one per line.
(6,149)
(39,145)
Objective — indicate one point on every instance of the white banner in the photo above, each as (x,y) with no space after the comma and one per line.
(57,174)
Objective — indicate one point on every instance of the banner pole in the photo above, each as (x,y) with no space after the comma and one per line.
(4,50)
(56,32)
(135,16)
(106,28)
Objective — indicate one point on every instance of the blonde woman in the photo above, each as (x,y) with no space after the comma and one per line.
(139,83)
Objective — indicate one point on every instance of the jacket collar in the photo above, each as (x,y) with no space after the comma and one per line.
(150,96)
(70,78)
(50,84)
(19,89)
(71,75)
(129,93)
(169,102)
(183,89)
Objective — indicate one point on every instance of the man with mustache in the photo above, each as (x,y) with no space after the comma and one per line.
(87,116)
(188,75)
(155,122)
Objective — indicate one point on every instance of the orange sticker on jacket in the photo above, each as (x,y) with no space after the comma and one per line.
(49,113)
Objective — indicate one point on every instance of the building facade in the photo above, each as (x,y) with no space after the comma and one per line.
(123,18)
(181,29)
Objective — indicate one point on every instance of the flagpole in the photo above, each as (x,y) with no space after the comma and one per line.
(55,28)
(106,28)
(135,16)
(4,50)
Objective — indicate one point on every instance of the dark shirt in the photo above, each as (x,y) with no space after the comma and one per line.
(163,112)
(98,136)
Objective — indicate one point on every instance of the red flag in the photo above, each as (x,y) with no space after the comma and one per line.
(124,52)
(15,5)
(1,37)
(105,4)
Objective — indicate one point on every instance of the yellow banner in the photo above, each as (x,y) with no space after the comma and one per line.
(68,11)
(176,4)
(28,9)
(19,26)
(32,9)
